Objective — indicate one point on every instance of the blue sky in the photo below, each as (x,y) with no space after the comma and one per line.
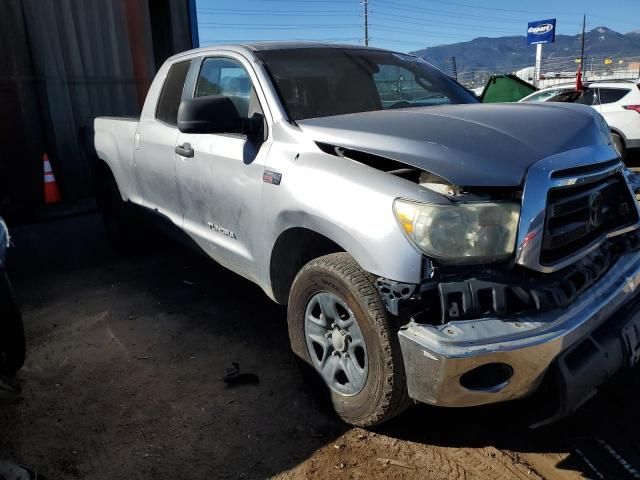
(402,25)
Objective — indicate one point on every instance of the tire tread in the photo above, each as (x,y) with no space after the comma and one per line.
(395,398)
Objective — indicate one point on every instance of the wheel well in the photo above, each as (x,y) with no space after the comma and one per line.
(619,133)
(293,249)
(102,171)
(103,180)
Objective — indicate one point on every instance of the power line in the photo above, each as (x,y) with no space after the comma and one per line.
(233,11)
(414,32)
(394,23)
(247,40)
(496,9)
(401,6)
(244,26)
(336,2)
(446,24)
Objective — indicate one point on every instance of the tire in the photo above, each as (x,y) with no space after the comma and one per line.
(12,338)
(120,224)
(618,144)
(382,392)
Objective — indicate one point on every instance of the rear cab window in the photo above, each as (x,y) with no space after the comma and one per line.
(171,94)
(545,95)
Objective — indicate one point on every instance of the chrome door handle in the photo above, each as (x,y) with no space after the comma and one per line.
(185,150)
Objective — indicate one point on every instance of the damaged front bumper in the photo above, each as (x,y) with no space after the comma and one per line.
(586,342)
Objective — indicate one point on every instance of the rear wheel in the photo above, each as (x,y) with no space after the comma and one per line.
(618,144)
(339,327)
(12,339)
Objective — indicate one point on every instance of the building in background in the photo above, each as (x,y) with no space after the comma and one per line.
(64,62)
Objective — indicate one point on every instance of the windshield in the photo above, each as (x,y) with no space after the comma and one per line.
(588,96)
(321,82)
(545,95)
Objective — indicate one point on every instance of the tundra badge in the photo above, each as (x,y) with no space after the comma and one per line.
(225,231)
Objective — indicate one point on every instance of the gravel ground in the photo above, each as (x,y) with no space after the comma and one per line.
(123,380)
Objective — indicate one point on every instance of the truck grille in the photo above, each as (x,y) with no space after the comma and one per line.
(578,216)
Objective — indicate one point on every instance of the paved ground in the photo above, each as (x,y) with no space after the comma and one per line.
(123,381)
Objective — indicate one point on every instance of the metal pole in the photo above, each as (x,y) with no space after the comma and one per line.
(455,68)
(366,22)
(584,20)
(536,78)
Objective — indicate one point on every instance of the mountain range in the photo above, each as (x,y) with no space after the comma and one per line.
(506,54)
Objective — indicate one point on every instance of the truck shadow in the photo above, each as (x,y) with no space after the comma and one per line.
(126,360)
(600,440)
(127,356)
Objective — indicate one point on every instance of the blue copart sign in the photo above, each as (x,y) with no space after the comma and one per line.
(541,31)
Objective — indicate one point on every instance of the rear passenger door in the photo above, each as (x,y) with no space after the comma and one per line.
(154,148)
(610,108)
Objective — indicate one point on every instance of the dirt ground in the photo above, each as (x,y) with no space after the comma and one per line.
(123,380)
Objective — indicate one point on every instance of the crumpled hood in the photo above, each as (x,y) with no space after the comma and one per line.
(469,145)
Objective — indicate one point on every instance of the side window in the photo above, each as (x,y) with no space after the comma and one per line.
(224,76)
(543,96)
(611,95)
(570,97)
(171,94)
(589,97)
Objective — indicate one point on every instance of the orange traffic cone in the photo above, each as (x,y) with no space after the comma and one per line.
(51,191)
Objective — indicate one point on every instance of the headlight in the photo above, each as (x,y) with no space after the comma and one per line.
(460,232)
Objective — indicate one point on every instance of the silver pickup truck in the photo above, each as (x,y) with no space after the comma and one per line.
(429,248)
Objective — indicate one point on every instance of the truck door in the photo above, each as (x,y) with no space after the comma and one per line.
(220,178)
(154,148)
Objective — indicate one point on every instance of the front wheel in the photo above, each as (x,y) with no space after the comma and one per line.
(339,326)
(618,144)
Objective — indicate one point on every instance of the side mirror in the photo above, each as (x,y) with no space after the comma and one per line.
(210,114)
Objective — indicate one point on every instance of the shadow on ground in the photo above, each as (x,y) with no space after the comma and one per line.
(123,379)
(125,362)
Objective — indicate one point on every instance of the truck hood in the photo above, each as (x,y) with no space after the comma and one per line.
(469,145)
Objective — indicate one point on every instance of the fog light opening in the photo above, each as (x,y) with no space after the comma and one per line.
(491,377)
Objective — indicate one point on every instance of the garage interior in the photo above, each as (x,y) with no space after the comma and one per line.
(62,63)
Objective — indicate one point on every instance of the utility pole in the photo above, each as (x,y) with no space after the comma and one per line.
(454,68)
(365,3)
(584,21)
(583,67)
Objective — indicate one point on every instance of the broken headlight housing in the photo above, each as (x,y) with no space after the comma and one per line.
(460,232)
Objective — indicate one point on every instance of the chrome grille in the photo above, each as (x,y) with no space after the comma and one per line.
(579,215)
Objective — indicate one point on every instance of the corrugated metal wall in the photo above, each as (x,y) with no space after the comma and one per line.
(79,59)
(21,133)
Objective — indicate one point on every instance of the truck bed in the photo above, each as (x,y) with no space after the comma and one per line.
(115,143)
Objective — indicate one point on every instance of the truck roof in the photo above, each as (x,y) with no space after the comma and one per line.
(250,47)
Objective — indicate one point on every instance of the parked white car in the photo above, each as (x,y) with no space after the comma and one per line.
(617,101)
